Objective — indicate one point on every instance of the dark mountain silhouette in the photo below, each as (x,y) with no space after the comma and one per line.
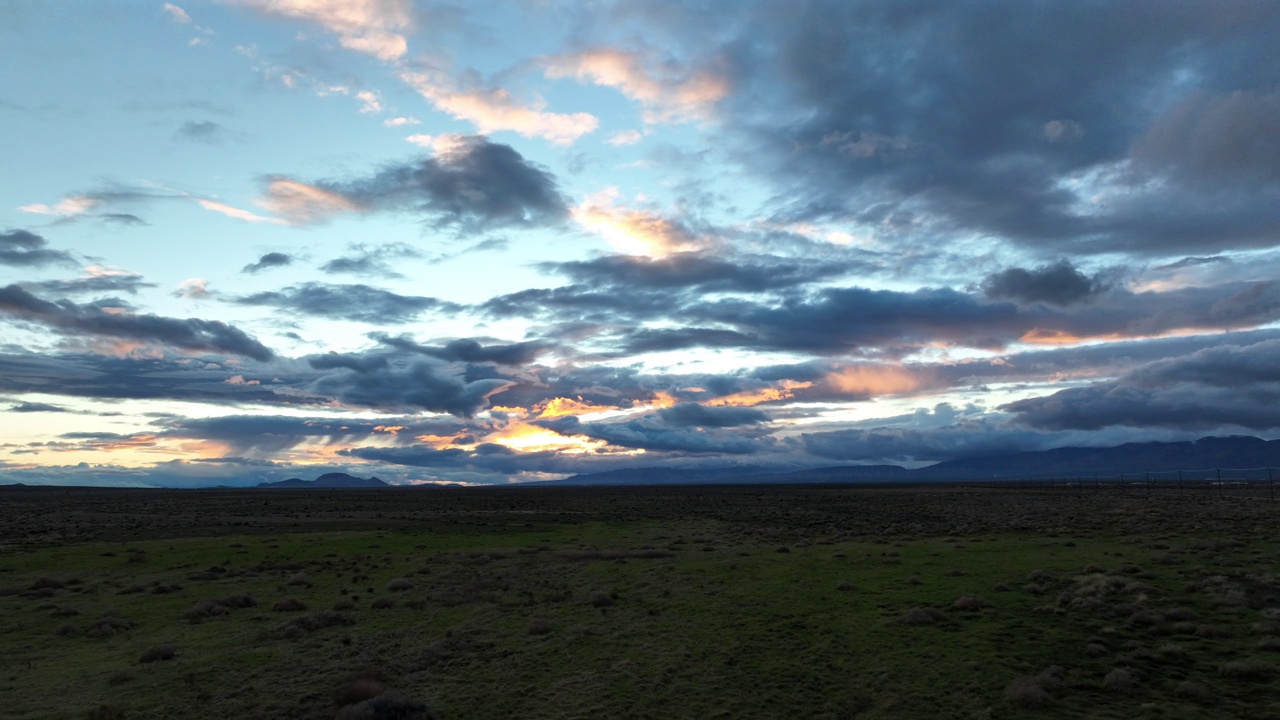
(1234,452)
(1204,455)
(328,480)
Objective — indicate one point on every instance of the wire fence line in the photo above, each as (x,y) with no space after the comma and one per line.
(1257,482)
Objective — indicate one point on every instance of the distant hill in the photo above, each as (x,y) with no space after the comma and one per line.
(1204,454)
(328,480)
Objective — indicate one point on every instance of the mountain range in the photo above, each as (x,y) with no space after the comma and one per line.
(328,480)
(1195,458)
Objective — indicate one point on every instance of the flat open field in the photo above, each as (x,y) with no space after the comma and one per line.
(724,602)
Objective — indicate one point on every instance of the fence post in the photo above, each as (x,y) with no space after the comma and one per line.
(1219,482)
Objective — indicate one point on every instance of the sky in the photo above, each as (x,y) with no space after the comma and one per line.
(490,242)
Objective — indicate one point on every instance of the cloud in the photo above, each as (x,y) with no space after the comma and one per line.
(668,92)
(206,132)
(625,137)
(235,212)
(69,206)
(268,261)
(635,232)
(470,350)
(469,183)
(696,415)
(705,271)
(1214,140)
(193,289)
(89,321)
(651,433)
(358,303)
(303,204)
(34,407)
(178,14)
(21,248)
(1231,386)
(494,110)
(370,103)
(96,279)
(374,261)
(415,385)
(401,121)
(373,27)
(1058,284)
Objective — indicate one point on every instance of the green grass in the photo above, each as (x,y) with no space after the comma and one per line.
(725,625)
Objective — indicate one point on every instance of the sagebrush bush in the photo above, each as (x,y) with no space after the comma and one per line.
(400,585)
(158,653)
(923,616)
(289,605)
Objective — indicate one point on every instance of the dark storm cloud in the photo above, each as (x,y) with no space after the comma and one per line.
(703,271)
(696,415)
(360,303)
(403,384)
(1212,140)
(830,321)
(1058,284)
(651,433)
(469,350)
(90,321)
(1227,386)
(473,185)
(1001,119)
(96,284)
(267,261)
(20,248)
(271,433)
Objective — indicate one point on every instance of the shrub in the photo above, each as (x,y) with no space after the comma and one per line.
(1118,679)
(601,598)
(107,626)
(390,705)
(158,653)
(203,610)
(923,616)
(914,580)
(971,603)
(238,601)
(119,677)
(289,605)
(359,688)
(1027,692)
(400,585)
(539,626)
(1248,669)
(344,604)
(1194,692)
(383,603)
(299,579)
(845,586)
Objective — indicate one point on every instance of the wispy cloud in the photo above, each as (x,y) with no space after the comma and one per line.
(494,110)
(373,27)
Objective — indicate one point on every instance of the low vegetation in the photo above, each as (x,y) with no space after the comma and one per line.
(647,603)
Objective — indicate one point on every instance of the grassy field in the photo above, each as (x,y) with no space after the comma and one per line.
(637,603)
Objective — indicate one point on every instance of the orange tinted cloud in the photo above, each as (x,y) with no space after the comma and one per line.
(634,232)
(873,380)
(784,390)
(494,109)
(673,96)
(562,406)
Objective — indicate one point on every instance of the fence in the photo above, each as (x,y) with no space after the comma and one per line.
(1233,482)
